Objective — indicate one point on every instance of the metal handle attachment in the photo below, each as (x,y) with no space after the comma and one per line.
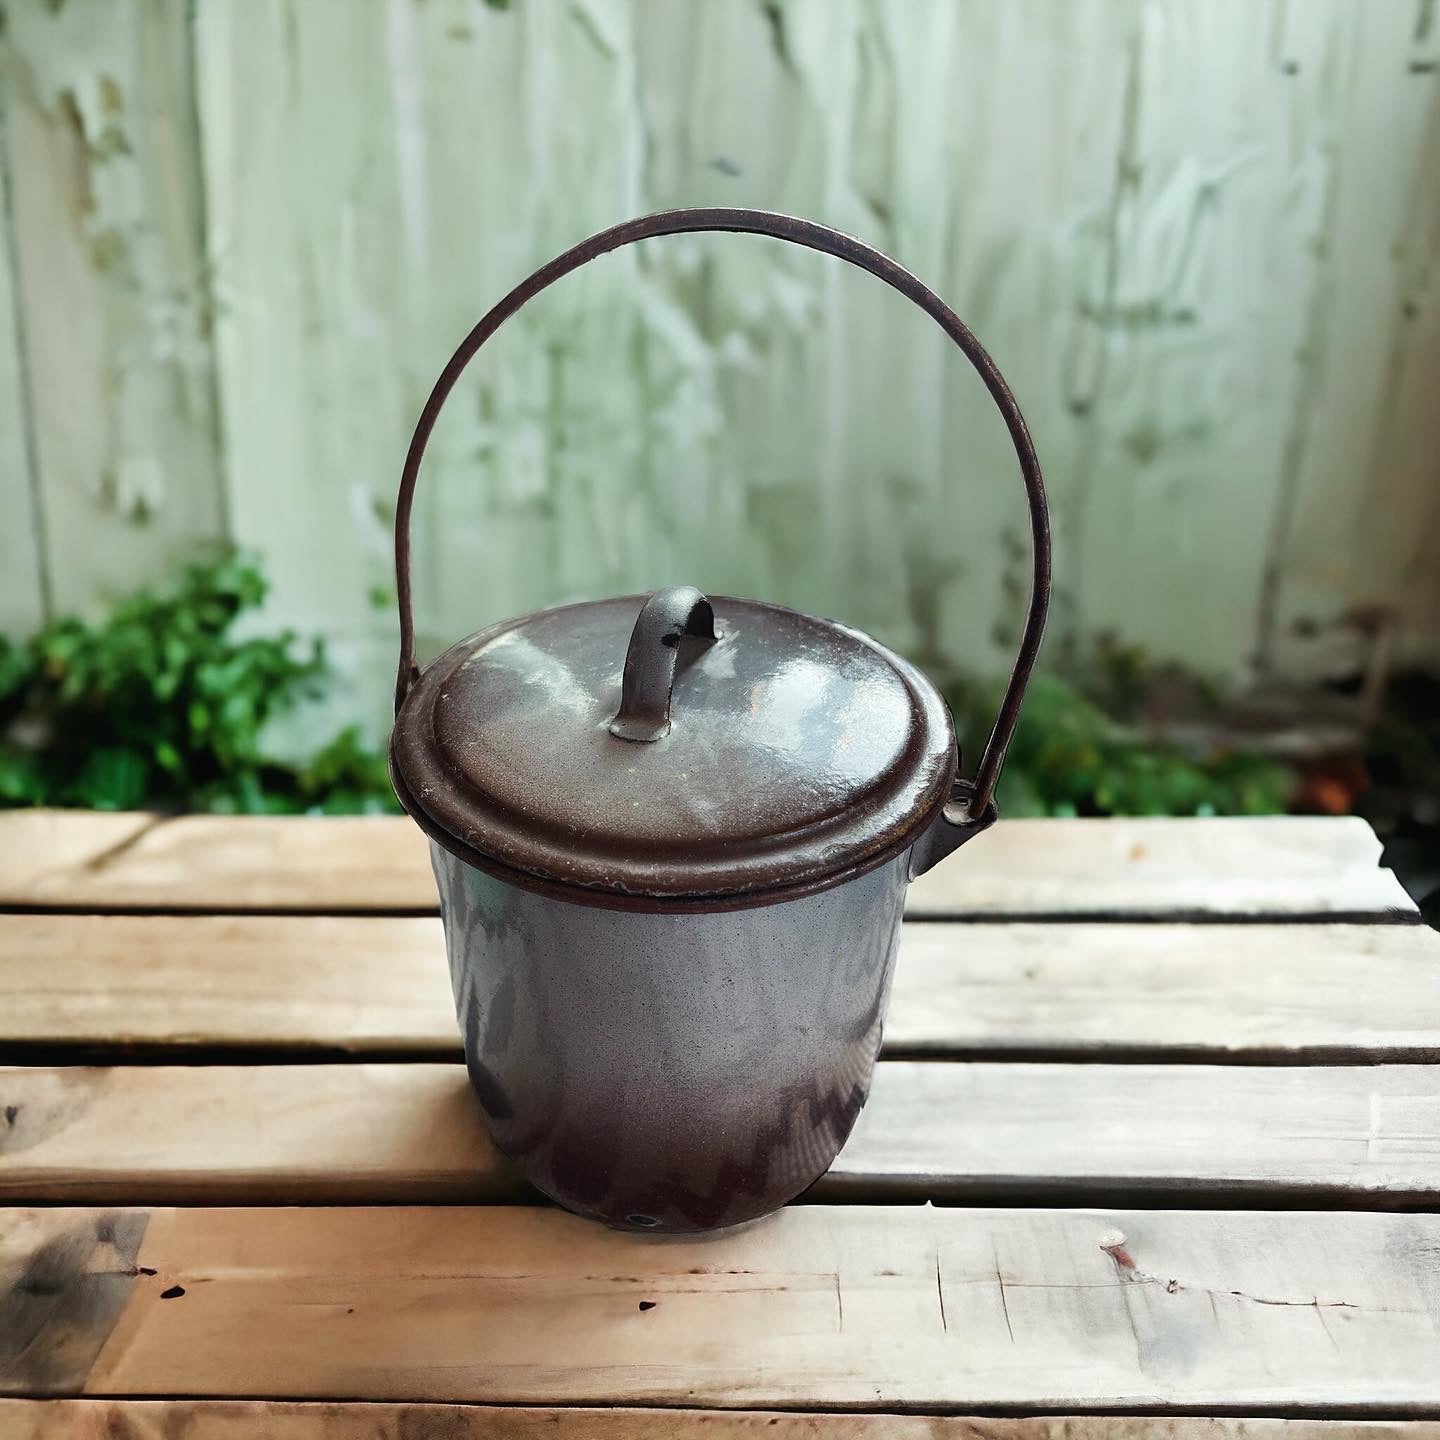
(664,620)
(972,798)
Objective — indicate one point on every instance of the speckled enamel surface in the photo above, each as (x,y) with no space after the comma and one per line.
(798,750)
(670,1071)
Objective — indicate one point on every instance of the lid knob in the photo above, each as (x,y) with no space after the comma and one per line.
(666,617)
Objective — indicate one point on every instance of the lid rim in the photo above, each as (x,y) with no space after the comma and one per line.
(525,836)
(675,903)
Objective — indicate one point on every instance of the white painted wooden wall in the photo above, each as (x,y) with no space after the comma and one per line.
(1201,237)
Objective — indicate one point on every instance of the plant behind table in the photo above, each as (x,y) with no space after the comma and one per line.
(1071,757)
(161,704)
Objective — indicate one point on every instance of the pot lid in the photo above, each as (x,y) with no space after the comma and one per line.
(669,752)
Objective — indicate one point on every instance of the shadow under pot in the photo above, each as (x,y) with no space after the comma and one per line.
(672,838)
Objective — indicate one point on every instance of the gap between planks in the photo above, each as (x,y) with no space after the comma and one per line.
(359,1420)
(815,1307)
(394,1134)
(318,986)
(1137,867)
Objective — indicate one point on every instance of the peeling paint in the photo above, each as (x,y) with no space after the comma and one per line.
(100,150)
(1200,241)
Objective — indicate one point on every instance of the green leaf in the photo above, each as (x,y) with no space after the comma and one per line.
(161,704)
(112,779)
(22,780)
(1070,756)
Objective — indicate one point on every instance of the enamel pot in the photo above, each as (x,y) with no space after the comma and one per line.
(672,836)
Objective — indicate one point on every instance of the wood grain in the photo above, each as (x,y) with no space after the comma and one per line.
(1276,865)
(1225,992)
(1367,1136)
(22,571)
(1331,532)
(1237,228)
(1204,211)
(247,1134)
(1279,865)
(127,861)
(301,983)
(113,295)
(378,986)
(818,1306)
(331,1420)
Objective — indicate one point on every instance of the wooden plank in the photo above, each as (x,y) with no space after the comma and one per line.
(22,547)
(115,303)
(379,986)
(128,861)
(1221,207)
(1189,248)
(409,1133)
(1281,865)
(1360,510)
(1276,865)
(303,982)
(248,1134)
(819,1306)
(322,1420)
(1226,992)
(1255,242)
(1361,1136)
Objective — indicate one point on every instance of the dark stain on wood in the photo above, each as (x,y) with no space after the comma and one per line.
(112,853)
(41,1102)
(437,1422)
(59,1308)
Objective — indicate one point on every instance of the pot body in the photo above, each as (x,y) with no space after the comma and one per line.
(670,1071)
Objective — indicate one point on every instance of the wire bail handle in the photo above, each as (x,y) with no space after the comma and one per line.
(974,795)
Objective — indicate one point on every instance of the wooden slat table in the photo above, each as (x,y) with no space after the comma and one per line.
(1153,1149)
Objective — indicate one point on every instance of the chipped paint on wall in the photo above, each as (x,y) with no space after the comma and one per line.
(1357,556)
(1199,238)
(105,215)
(22,581)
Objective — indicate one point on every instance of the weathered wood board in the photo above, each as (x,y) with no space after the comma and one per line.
(1168,213)
(1279,865)
(1197,237)
(96,861)
(1373,414)
(246,1135)
(1206,991)
(115,301)
(22,579)
(379,986)
(289,983)
(330,1420)
(851,1306)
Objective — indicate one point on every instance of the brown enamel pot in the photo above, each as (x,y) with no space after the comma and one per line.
(672,836)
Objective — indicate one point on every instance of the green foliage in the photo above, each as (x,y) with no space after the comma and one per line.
(1070,758)
(163,705)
